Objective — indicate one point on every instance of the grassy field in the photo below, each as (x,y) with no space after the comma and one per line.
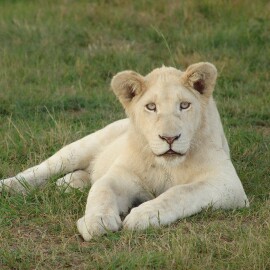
(57,59)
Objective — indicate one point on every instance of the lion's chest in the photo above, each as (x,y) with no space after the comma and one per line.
(157,179)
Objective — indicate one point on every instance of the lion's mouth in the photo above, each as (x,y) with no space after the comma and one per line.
(171,153)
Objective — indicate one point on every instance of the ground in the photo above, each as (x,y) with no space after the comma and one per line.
(57,59)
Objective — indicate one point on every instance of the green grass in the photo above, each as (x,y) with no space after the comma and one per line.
(57,59)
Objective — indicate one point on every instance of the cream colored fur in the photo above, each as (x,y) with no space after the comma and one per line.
(127,162)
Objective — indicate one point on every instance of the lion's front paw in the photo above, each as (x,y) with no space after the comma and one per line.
(13,184)
(142,217)
(92,225)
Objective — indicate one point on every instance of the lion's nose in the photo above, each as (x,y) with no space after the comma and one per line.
(170,140)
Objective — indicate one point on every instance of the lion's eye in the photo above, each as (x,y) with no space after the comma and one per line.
(184,105)
(151,107)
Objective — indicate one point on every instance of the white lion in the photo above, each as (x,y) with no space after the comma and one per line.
(168,160)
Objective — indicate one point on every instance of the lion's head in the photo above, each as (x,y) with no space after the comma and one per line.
(166,106)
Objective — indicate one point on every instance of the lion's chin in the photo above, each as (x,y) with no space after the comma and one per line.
(171,160)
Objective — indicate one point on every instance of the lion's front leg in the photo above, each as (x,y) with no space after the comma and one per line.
(185,200)
(108,198)
(102,213)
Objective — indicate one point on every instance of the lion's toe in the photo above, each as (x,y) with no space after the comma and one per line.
(94,225)
(140,218)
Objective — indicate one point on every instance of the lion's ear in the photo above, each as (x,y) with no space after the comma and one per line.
(126,85)
(201,77)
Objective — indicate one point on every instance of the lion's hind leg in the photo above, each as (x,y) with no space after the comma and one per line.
(71,158)
(79,180)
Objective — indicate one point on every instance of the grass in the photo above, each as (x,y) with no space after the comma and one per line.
(57,59)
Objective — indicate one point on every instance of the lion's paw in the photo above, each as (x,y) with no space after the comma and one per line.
(13,185)
(142,217)
(93,225)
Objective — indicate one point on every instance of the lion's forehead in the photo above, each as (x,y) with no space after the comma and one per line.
(165,84)
(168,92)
